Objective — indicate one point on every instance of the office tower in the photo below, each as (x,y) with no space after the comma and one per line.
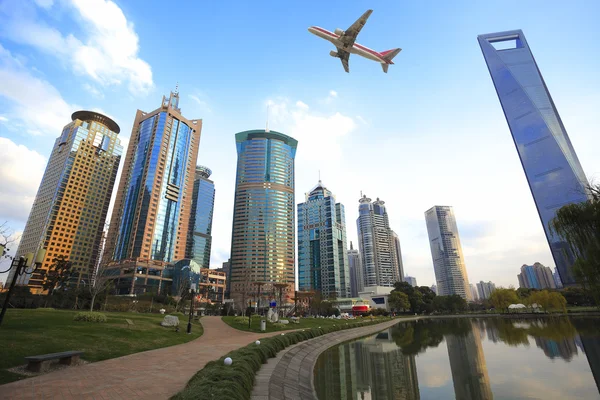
(412,281)
(356,271)
(434,289)
(150,220)
(227,269)
(398,254)
(553,171)
(263,237)
(475,296)
(485,289)
(199,232)
(376,243)
(536,276)
(322,257)
(467,362)
(69,211)
(556,277)
(446,251)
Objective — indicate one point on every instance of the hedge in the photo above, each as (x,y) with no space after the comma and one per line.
(235,382)
(89,317)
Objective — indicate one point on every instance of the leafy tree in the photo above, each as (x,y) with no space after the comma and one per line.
(58,274)
(577,297)
(420,298)
(579,225)
(549,301)
(524,293)
(450,304)
(398,301)
(502,298)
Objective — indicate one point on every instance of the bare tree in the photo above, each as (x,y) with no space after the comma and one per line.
(180,289)
(7,237)
(100,281)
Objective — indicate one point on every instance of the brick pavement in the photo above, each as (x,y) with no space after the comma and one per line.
(154,374)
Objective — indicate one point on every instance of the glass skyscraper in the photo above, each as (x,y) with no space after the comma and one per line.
(150,220)
(68,214)
(357,281)
(263,234)
(398,252)
(377,245)
(551,166)
(322,258)
(199,233)
(446,252)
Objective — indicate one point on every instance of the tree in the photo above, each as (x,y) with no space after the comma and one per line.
(420,298)
(100,281)
(502,298)
(452,304)
(549,301)
(7,238)
(579,225)
(180,290)
(58,274)
(398,301)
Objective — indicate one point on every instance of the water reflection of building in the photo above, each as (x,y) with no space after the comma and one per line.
(564,348)
(469,371)
(337,372)
(591,348)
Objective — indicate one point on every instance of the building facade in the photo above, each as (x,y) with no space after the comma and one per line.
(536,276)
(411,280)
(556,277)
(150,220)
(446,252)
(263,234)
(474,293)
(485,289)
(322,252)
(398,253)
(376,244)
(200,226)
(356,271)
(551,166)
(69,211)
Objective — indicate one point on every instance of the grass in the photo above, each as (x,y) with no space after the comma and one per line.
(305,323)
(31,332)
(235,382)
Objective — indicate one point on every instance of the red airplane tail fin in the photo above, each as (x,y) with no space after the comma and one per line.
(388,55)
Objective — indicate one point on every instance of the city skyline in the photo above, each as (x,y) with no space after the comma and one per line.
(332,104)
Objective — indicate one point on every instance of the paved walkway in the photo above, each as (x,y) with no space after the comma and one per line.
(154,374)
(289,376)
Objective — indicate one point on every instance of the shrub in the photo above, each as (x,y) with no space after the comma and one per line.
(240,320)
(46,309)
(89,317)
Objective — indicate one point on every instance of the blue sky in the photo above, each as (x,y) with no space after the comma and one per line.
(429,132)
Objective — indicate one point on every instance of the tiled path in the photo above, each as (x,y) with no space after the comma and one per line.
(289,376)
(154,374)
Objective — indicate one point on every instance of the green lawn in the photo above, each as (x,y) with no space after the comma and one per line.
(305,323)
(32,332)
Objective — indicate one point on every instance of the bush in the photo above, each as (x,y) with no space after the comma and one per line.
(90,317)
(241,320)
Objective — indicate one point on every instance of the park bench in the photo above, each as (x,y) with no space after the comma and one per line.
(129,322)
(66,358)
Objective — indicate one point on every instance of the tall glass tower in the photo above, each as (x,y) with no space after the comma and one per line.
(322,258)
(263,234)
(551,166)
(356,271)
(199,232)
(150,220)
(69,211)
(377,245)
(398,254)
(446,252)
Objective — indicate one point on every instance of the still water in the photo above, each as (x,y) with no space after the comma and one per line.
(470,359)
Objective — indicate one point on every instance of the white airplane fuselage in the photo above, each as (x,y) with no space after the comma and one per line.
(354,49)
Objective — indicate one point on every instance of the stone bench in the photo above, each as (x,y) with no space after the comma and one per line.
(66,358)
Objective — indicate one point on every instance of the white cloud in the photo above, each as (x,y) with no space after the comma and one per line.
(93,91)
(21,172)
(333,93)
(3,119)
(200,100)
(108,54)
(301,105)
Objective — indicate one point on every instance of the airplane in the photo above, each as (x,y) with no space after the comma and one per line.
(344,41)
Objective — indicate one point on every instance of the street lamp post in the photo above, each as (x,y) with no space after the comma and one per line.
(189,327)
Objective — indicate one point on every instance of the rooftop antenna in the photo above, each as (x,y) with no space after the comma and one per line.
(268,105)
(319,175)
(177,88)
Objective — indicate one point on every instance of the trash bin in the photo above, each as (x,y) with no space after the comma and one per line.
(263,325)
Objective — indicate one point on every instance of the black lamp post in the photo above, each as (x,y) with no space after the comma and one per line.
(189,327)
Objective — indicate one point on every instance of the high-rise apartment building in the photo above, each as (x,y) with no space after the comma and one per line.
(199,232)
(150,220)
(553,171)
(376,243)
(263,235)
(485,289)
(411,280)
(446,252)
(474,293)
(356,271)
(68,214)
(434,289)
(322,257)
(556,277)
(536,276)
(398,253)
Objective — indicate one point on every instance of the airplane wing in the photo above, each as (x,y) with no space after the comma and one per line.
(344,56)
(349,36)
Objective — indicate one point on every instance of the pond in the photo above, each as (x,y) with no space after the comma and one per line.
(467,359)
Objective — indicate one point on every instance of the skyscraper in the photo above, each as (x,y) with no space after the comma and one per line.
(398,255)
(150,220)
(553,171)
(263,236)
(322,258)
(411,280)
(536,276)
(446,252)
(199,232)
(557,280)
(485,289)
(377,246)
(69,211)
(474,293)
(356,271)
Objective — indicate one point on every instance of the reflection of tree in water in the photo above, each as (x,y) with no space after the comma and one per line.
(416,337)
(507,332)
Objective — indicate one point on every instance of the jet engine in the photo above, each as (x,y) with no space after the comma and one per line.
(339,32)
(333,53)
